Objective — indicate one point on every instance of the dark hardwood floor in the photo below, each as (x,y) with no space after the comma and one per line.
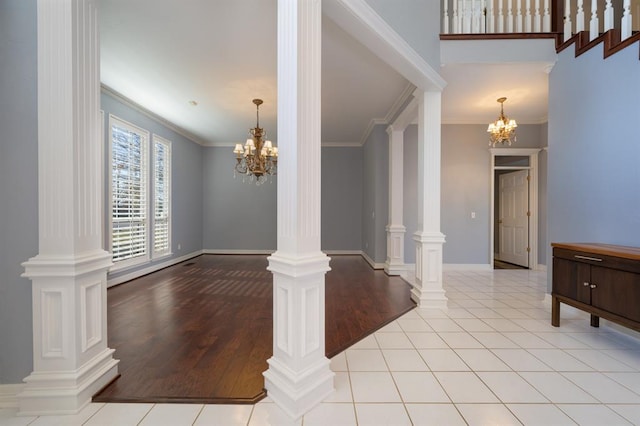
(201,331)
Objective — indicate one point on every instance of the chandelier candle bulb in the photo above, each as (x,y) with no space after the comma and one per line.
(503,129)
(260,156)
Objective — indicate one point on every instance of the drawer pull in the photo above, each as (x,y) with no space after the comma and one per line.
(585,284)
(592,286)
(595,259)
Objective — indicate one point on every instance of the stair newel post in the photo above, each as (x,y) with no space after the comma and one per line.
(625,29)
(500,17)
(445,17)
(608,16)
(567,20)
(594,23)
(546,18)
(580,16)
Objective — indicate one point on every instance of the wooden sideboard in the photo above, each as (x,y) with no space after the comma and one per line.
(601,279)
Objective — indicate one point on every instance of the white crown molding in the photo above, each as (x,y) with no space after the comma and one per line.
(395,111)
(155,117)
(357,18)
(409,115)
(367,132)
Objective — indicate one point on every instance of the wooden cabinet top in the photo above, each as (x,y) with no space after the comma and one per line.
(625,252)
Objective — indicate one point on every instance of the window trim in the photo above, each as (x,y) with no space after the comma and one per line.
(156,139)
(139,260)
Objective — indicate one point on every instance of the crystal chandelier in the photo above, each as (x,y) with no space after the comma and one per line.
(502,129)
(258,158)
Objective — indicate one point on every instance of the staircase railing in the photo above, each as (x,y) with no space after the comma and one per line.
(567,17)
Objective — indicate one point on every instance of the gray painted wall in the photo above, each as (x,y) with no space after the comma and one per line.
(186,180)
(465,174)
(375,208)
(237,215)
(18,183)
(417,21)
(594,134)
(342,175)
(242,216)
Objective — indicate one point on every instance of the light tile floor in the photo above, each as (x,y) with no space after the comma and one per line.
(492,357)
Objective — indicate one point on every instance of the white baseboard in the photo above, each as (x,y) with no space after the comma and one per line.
(540,267)
(342,252)
(371,262)
(9,395)
(466,267)
(140,272)
(222,251)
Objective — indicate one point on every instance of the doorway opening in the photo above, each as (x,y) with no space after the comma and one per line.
(514,208)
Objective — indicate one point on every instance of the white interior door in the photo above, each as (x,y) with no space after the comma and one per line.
(513,221)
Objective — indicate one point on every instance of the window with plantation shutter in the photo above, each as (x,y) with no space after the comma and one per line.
(129,193)
(161,196)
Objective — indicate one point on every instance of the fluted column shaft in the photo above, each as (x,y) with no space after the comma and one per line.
(299,376)
(71,357)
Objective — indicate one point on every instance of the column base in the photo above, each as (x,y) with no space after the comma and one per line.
(394,265)
(66,392)
(298,392)
(394,268)
(427,291)
(299,376)
(429,299)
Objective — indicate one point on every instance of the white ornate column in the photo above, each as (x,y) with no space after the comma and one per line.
(394,265)
(428,291)
(298,376)
(71,360)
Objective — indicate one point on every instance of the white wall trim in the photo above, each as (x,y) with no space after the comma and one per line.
(342,252)
(371,262)
(233,251)
(153,268)
(448,267)
(533,168)
(358,19)
(9,395)
(369,129)
(155,117)
(541,267)
(395,110)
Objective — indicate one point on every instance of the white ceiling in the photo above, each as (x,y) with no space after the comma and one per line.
(162,54)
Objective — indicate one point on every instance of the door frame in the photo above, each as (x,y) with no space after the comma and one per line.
(532,153)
